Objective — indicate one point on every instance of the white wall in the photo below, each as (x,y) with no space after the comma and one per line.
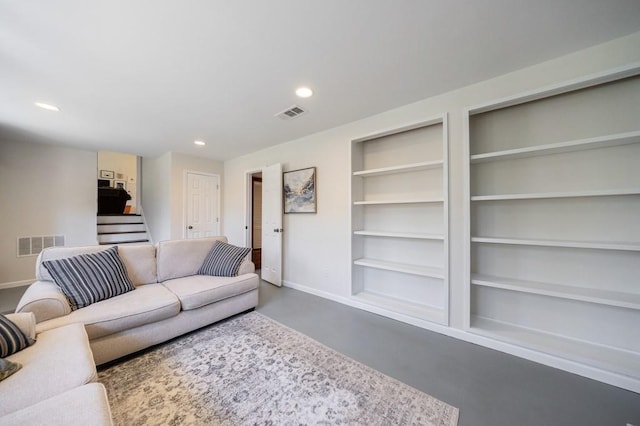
(316,256)
(163,191)
(156,196)
(46,190)
(181,163)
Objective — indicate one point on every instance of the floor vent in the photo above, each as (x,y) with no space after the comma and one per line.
(291,112)
(32,246)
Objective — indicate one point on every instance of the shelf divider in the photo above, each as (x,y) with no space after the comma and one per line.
(560,147)
(557,243)
(426,165)
(411,235)
(424,271)
(566,194)
(400,201)
(599,356)
(417,310)
(602,297)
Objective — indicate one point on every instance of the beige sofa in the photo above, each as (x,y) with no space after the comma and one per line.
(56,384)
(169,299)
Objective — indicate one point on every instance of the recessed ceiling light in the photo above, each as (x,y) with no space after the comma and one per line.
(199,143)
(47,106)
(304,92)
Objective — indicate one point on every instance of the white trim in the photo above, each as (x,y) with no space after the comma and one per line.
(185,174)
(393,130)
(466,199)
(445,216)
(583,370)
(14,284)
(602,77)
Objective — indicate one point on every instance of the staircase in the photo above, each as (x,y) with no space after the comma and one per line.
(121,229)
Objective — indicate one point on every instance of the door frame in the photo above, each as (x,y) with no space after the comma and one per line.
(248,201)
(185,191)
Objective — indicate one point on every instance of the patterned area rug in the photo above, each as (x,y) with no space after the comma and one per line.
(253,370)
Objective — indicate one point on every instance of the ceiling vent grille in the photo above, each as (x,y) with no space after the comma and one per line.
(32,246)
(291,112)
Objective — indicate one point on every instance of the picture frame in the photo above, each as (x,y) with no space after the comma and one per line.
(120,184)
(299,191)
(106,174)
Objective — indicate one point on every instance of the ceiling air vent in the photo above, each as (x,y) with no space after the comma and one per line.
(291,112)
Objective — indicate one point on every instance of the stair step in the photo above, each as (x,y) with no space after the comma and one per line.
(111,238)
(124,242)
(120,232)
(118,218)
(121,227)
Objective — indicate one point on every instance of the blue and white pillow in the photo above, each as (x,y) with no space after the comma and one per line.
(90,278)
(12,339)
(223,260)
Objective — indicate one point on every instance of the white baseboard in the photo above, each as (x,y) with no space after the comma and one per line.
(15,284)
(583,370)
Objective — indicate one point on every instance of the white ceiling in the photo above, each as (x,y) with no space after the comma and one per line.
(150,76)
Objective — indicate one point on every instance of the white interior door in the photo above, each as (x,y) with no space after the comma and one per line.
(272,224)
(202,206)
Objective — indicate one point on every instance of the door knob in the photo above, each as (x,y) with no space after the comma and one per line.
(189,227)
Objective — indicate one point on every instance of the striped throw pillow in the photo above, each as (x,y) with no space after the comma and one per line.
(223,260)
(90,278)
(12,339)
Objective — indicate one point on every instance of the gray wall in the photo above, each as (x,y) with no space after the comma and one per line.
(46,190)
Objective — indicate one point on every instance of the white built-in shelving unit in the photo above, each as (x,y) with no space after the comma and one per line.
(554,221)
(400,232)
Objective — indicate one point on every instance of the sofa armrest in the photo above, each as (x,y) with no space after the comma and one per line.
(45,300)
(246,267)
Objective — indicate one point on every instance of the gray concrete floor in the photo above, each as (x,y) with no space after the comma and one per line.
(9,298)
(489,387)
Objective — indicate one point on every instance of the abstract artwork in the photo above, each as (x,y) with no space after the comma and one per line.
(300,191)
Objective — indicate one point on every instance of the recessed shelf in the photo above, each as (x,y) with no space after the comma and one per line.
(400,201)
(567,194)
(557,243)
(415,167)
(412,235)
(603,297)
(604,357)
(424,271)
(561,147)
(417,310)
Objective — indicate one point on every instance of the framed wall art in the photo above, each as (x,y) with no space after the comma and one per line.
(300,191)
(106,174)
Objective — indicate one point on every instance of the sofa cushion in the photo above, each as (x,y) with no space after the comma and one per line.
(60,360)
(12,339)
(90,278)
(200,290)
(83,406)
(223,260)
(145,304)
(139,259)
(182,258)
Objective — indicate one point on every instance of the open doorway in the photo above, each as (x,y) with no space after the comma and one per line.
(256,219)
(263,219)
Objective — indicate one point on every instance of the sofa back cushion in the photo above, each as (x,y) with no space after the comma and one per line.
(182,258)
(139,259)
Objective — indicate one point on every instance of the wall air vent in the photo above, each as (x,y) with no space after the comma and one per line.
(291,112)
(32,246)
